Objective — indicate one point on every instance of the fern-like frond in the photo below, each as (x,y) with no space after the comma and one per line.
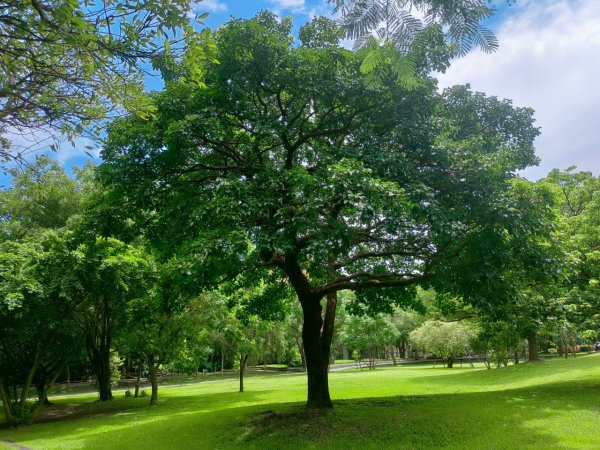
(393,20)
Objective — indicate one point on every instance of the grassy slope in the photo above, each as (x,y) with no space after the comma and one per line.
(547,405)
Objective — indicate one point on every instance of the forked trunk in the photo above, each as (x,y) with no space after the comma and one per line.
(316,336)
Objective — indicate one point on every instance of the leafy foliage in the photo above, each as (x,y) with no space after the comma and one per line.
(396,21)
(448,340)
(66,63)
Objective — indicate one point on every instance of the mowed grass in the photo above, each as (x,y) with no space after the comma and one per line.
(552,404)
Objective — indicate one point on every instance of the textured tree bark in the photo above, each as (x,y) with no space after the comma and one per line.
(532,344)
(316,335)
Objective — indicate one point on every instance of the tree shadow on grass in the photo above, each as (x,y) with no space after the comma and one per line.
(558,415)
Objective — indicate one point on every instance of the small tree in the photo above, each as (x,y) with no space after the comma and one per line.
(369,334)
(448,340)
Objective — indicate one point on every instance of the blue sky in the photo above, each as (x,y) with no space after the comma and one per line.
(549,59)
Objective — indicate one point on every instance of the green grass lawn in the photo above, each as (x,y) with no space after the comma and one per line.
(553,404)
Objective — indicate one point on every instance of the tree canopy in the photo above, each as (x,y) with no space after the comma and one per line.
(292,169)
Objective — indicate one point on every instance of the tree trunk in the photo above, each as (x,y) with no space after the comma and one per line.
(450,363)
(516,356)
(137,381)
(30,376)
(154,383)
(68,376)
(43,395)
(402,349)
(7,405)
(316,336)
(102,365)
(393,353)
(243,361)
(532,344)
(98,347)
(300,346)
(222,359)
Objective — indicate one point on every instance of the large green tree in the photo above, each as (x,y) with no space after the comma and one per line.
(293,170)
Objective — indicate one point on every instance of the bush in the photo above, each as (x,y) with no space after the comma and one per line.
(22,414)
(128,393)
(143,394)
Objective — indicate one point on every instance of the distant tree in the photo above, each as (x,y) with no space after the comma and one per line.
(37,334)
(155,333)
(40,197)
(371,335)
(448,340)
(404,322)
(99,277)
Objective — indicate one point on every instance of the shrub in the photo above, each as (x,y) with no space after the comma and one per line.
(22,414)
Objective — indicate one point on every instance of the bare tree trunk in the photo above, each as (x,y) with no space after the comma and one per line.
(154,383)
(7,405)
(532,344)
(317,335)
(30,376)
(243,362)
(222,359)
(43,397)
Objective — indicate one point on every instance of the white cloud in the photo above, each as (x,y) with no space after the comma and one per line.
(295,6)
(211,6)
(29,144)
(549,59)
(324,9)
